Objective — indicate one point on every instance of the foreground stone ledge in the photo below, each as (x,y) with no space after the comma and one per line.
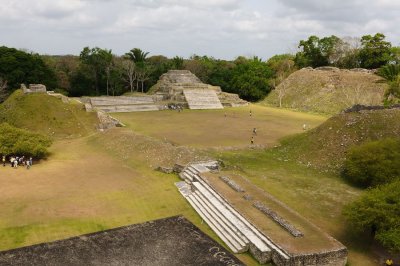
(170,241)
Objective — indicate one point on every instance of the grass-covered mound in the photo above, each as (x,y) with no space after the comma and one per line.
(47,115)
(15,141)
(326,146)
(328,91)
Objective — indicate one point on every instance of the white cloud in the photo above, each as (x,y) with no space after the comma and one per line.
(221,28)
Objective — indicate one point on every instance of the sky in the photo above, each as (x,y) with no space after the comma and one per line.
(224,29)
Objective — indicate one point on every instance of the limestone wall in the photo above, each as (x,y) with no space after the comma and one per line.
(33,88)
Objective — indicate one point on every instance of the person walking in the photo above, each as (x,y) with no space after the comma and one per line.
(4,160)
(252,140)
(255,131)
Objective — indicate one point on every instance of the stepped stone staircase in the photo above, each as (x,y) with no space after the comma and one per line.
(122,104)
(237,233)
(202,98)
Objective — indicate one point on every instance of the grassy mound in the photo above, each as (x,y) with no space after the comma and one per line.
(325,147)
(328,91)
(47,115)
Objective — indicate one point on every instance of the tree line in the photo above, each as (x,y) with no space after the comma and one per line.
(97,71)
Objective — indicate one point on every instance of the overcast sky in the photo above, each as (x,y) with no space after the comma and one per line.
(221,28)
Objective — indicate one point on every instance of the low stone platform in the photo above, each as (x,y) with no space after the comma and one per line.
(116,104)
(247,218)
(170,241)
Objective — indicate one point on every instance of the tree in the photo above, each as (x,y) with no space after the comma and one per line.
(98,61)
(373,163)
(20,67)
(137,55)
(250,79)
(3,91)
(390,72)
(130,74)
(315,52)
(375,51)
(177,62)
(345,53)
(378,211)
(15,141)
(143,69)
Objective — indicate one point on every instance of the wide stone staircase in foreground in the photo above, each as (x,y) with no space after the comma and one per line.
(237,233)
(241,232)
(123,104)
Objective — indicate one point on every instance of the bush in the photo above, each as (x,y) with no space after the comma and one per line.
(373,163)
(15,141)
(378,211)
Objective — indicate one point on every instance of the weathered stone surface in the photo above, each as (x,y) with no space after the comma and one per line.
(171,241)
(282,222)
(202,99)
(112,104)
(106,121)
(232,184)
(204,192)
(33,88)
(172,86)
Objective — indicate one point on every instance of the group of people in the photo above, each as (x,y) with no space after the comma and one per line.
(16,161)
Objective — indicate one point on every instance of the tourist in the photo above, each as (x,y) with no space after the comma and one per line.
(250,113)
(30,161)
(255,131)
(389,262)
(304,126)
(4,160)
(252,140)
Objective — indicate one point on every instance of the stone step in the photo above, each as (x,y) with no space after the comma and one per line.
(121,100)
(214,212)
(127,108)
(202,99)
(213,224)
(232,215)
(258,239)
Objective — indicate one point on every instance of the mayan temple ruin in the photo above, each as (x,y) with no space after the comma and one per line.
(248,219)
(177,87)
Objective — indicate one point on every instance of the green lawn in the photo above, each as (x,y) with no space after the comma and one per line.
(220,128)
(108,179)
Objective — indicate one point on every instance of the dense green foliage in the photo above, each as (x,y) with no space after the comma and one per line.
(316,52)
(378,211)
(375,51)
(391,72)
(367,52)
(18,67)
(373,163)
(250,79)
(15,141)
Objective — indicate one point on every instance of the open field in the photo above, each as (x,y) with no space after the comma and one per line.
(211,128)
(107,179)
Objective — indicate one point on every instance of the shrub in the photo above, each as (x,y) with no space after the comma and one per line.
(22,142)
(373,163)
(378,211)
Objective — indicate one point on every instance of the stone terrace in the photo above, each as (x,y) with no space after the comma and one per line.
(123,104)
(228,205)
(170,241)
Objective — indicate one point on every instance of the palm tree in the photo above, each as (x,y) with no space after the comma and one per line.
(137,55)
